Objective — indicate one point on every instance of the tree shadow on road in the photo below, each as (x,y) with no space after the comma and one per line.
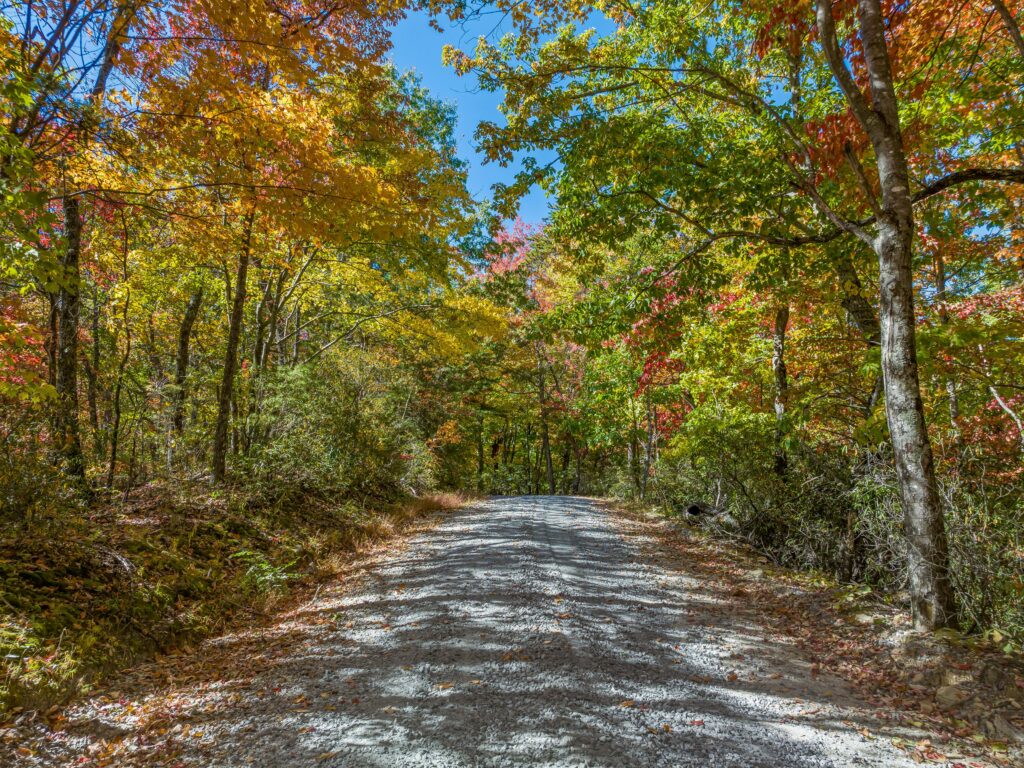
(512,635)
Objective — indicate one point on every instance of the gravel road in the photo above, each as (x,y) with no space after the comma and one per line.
(527,631)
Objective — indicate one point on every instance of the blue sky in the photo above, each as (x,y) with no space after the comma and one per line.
(418,47)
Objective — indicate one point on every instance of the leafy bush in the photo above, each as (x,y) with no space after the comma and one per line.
(839,516)
(32,488)
(261,575)
(339,429)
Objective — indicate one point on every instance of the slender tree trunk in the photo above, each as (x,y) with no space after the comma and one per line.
(261,321)
(566,461)
(548,465)
(648,446)
(781,384)
(928,561)
(153,350)
(854,300)
(66,429)
(508,453)
(51,339)
(115,427)
(274,321)
(66,423)
(266,340)
(535,472)
(528,463)
(224,398)
(130,481)
(497,446)
(92,371)
(480,453)
(181,359)
(633,449)
(544,437)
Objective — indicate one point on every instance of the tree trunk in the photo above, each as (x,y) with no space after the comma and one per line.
(649,445)
(544,437)
(220,435)
(66,430)
(66,426)
(633,449)
(51,340)
(181,359)
(480,453)
(508,452)
(92,372)
(566,460)
(781,384)
(528,462)
(923,515)
(930,588)
(274,322)
(115,427)
(261,320)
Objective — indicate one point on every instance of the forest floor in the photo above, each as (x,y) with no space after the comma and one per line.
(523,631)
(96,589)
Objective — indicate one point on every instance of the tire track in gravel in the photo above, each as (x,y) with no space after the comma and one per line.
(526,631)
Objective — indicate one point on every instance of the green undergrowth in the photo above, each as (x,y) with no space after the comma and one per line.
(890,606)
(83,595)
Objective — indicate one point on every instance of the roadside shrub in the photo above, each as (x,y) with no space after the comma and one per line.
(841,514)
(32,489)
(339,429)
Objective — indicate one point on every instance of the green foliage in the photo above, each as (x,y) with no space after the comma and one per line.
(342,428)
(262,576)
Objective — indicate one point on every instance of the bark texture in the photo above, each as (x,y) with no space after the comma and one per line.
(931,591)
(66,431)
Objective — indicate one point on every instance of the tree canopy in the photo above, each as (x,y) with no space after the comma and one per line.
(780,286)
